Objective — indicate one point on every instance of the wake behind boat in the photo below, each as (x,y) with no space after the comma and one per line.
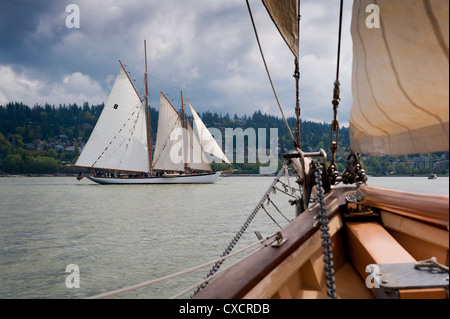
(119,149)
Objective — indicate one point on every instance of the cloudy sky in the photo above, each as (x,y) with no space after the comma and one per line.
(206,48)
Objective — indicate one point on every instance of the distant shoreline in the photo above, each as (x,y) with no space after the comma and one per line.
(225,175)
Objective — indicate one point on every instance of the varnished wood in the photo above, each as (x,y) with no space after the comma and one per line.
(430,208)
(238,280)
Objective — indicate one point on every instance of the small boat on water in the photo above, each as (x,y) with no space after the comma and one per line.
(119,150)
(432,176)
(352,240)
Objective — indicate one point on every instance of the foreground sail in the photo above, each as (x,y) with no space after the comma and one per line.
(400,78)
(354,241)
(358,241)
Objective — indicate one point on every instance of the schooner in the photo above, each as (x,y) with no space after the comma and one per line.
(119,150)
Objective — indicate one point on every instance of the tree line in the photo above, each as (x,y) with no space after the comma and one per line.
(46,139)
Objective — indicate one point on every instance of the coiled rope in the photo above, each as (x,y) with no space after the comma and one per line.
(431,264)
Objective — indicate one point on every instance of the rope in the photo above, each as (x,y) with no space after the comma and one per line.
(339,39)
(220,272)
(284,192)
(136,109)
(431,264)
(279,211)
(268,73)
(181,273)
(334,135)
(264,208)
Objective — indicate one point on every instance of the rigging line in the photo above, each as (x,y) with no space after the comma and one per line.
(174,275)
(284,192)
(279,211)
(334,135)
(288,187)
(130,114)
(264,208)
(241,231)
(298,110)
(220,272)
(268,73)
(340,41)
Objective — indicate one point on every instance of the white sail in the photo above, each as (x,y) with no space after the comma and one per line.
(195,157)
(207,141)
(119,139)
(169,122)
(400,77)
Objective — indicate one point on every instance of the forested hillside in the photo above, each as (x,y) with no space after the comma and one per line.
(46,139)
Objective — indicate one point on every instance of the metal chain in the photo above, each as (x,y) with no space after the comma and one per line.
(326,241)
(244,227)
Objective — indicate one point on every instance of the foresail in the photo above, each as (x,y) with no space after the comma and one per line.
(169,139)
(119,139)
(400,77)
(195,157)
(284,14)
(207,141)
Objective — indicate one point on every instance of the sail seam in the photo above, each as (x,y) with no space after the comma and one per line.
(437,30)
(376,101)
(357,82)
(397,77)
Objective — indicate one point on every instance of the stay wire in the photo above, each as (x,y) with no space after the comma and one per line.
(268,74)
(339,39)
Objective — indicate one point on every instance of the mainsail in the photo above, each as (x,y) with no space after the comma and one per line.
(284,14)
(119,139)
(401,78)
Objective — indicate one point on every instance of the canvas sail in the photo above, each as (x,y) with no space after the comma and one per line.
(119,139)
(284,14)
(400,77)
(195,157)
(207,141)
(169,122)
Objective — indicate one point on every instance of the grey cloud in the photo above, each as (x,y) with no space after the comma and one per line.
(206,48)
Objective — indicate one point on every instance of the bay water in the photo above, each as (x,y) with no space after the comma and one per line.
(121,235)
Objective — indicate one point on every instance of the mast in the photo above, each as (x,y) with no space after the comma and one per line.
(147,112)
(183,119)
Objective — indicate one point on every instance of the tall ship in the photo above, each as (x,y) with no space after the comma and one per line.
(119,150)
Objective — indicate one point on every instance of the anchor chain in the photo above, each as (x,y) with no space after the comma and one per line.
(326,241)
(242,230)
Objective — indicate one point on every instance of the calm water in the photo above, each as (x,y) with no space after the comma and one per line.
(124,235)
